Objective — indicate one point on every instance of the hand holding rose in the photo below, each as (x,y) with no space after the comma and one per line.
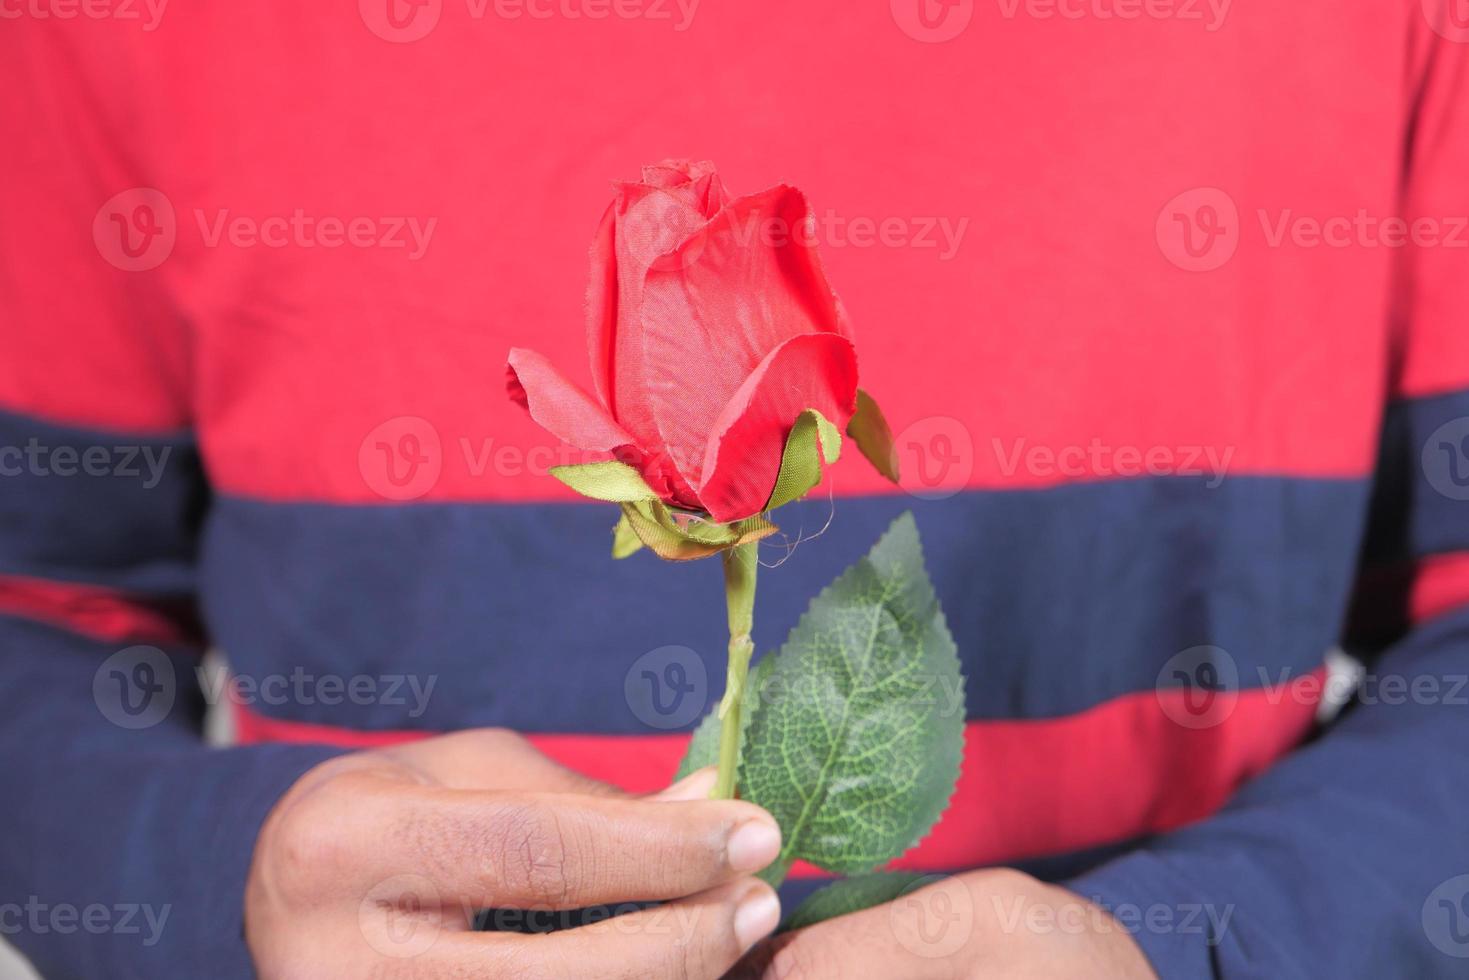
(375,864)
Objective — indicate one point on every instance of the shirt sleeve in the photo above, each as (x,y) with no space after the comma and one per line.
(125,839)
(1350,858)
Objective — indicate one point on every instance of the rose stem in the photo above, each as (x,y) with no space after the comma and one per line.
(740,566)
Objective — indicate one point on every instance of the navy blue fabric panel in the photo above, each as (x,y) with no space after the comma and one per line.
(113,509)
(1348,859)
(124,812)
(1420,502)
(1060,599)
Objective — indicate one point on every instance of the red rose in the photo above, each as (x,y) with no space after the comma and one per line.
(712,328)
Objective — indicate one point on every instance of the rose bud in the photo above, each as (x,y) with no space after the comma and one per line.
(712,330)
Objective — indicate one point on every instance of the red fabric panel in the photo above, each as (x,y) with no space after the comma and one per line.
(99,613)
(1132,766)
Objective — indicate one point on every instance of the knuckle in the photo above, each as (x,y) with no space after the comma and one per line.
(533,853)
(696,961)
(1006,879)
(307,846)
(690,948)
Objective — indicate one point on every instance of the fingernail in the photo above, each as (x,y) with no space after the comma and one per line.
(757,916)
(753,845)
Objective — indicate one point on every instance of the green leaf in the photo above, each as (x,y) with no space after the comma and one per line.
(611,481)
(855,744)
(703,748)
(812,439)
(873,436)
(851,895)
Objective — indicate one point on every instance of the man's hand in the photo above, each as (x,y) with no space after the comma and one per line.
(374,865)
(976,926)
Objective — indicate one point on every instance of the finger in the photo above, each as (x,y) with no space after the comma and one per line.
(396,922)
(917,937)
(496,758)
(559,851)
(695,786)
(698,938)
(820,953)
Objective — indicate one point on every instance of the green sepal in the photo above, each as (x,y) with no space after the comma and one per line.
(675,536)
(625,541)
(611,481)
(873,436)
(651,522)
(852,895)
(812,439)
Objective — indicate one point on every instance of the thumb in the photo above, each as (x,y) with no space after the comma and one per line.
(695,786)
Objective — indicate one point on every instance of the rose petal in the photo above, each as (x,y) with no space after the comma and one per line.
(748,282)
(712,195)
(671,173)
(649,223)
(743,456)
(645,223)
(562,408)
(573,416)
(602,309)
